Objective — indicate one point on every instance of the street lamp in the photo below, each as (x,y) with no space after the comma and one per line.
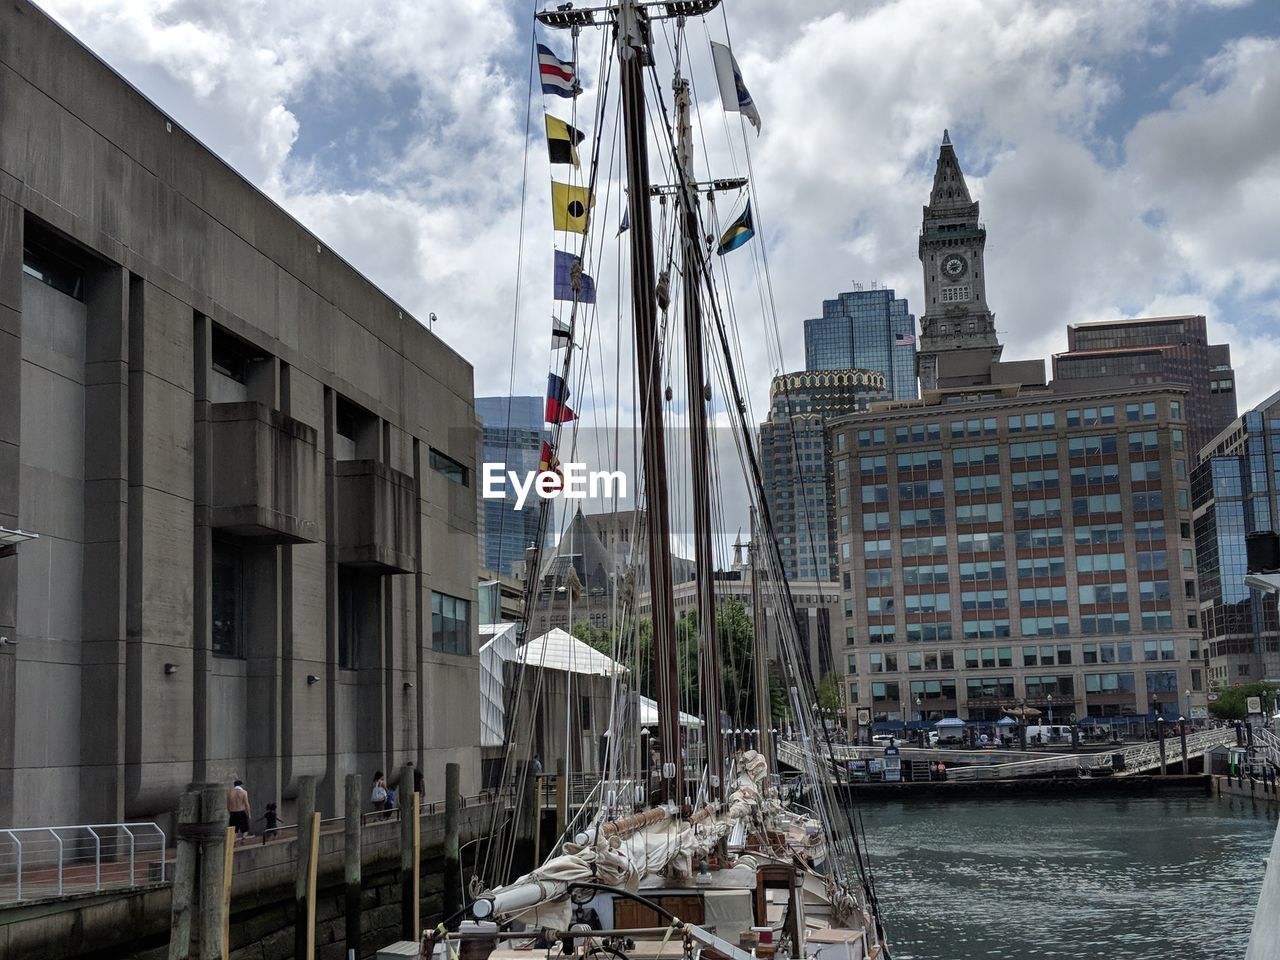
(1188,692)
(1049,699)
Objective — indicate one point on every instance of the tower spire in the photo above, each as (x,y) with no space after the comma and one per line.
(949,188)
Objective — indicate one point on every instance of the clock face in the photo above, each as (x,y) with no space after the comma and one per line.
(953,266)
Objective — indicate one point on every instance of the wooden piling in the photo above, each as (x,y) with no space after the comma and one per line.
(213,810)
(303,933)
(407,802)
(351,863)
(452,859)
(184,878)
(313,865)
(228,869)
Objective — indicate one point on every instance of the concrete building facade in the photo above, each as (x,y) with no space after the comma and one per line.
(251,472)
(1236,492)
(1155,350)
(1001,545)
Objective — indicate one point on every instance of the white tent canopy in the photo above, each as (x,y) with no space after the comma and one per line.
(559,650)
(649,715)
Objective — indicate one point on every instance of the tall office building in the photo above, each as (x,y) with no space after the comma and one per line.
(796,462)
(1236,491)
(1155,350)
(865,330)
(958,344)
(513,434)
(998,546)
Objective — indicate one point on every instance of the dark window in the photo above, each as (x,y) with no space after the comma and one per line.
(227,601)
(231,356)
(51,270)
(450,624)
(585,709)
(357,616)
(449,467)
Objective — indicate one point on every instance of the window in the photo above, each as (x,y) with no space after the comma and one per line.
(450,624)
(227,600)
(451,468)
(959,293)
(357,616)
(51,270)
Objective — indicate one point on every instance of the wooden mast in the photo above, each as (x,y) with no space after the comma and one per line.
(699,460)
(633,53)
(759,649)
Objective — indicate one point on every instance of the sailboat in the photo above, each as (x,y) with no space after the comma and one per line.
(675,849)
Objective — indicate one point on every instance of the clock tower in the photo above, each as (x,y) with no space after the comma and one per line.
(958,333)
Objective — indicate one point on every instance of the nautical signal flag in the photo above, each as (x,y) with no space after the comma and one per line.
(558,76)
(561,335)
(570,207)
(558,401)
(570,282)
(563,140)
(548,460)
(733,91)
(739,232)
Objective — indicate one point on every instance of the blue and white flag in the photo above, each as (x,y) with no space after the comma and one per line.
(571,283)
(733,91)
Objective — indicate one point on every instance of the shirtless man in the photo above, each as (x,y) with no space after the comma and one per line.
(238,809)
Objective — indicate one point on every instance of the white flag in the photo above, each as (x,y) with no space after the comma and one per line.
(733,92)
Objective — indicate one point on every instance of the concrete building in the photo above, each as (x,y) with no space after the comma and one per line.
(796,463)
(251,472)
(999,546)
(513,435)
(577,582)
(1235,492)
(1155,350)
(958,343)
(867,330)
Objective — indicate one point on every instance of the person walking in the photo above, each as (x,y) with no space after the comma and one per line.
(380,796)
(238,810)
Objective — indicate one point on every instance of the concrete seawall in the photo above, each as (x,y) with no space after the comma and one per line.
(1137,786)
(135,925)
(1250,789)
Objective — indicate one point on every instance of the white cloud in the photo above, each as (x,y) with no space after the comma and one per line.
(854,101)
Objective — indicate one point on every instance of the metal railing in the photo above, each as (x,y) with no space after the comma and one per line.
(1267,745)
(38,862)
(1146,756)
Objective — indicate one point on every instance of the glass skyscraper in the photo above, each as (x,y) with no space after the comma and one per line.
(1236,491)
(514,429)
(867,330)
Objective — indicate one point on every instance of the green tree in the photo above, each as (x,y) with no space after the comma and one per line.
(828,695)
(1231,704)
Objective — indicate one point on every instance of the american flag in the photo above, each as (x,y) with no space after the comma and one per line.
(904,339)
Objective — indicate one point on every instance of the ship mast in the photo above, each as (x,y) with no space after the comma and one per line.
(699,460)
(633,53)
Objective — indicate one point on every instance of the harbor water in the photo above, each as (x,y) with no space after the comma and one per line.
(1137,879)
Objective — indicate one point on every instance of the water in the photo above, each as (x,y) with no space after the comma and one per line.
(1138,879)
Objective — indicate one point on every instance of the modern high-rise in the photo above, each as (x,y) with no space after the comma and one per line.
(1155,350)
(865,330)
(1236,491)
(513,434)
(796,461)
(1000,547)
(958,343)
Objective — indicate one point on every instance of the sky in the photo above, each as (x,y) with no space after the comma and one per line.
(1126,156)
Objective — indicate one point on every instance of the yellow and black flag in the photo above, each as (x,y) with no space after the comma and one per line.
(571,206)
(563,140)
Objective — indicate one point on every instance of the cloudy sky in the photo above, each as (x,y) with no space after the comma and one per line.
(1126,154)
